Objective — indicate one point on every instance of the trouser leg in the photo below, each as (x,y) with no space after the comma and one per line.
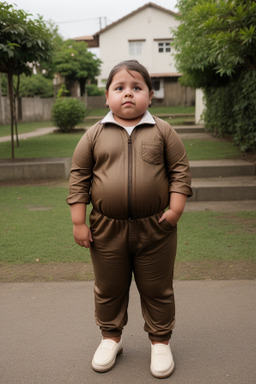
(153,270)
(113,271)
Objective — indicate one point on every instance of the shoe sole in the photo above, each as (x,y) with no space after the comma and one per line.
(164,375)
(106,368)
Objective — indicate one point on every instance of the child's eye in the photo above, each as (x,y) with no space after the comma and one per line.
(136,88)
(120,88)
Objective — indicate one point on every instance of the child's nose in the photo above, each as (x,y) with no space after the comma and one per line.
(128,93)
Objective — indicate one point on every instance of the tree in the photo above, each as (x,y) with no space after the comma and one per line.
(75,62)
(22,41)
(215,40)
(216,51)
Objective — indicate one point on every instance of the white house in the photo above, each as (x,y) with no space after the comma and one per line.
(145,35)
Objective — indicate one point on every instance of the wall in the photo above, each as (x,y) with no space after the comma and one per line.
(147,25)
(175,94)
(199,106)
(96,101)
(33,109)
(36,109)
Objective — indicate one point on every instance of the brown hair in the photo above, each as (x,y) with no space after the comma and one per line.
(130,65)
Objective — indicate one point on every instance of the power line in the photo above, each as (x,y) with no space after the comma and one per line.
(80,21)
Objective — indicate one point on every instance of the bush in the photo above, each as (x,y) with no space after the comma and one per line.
(31,86)
(36,85)
(93,90)
(245,112)
(67,113)
(231,110)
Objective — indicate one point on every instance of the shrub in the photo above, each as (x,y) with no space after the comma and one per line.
(93,90)
(31,86)
(67,112)
(231,110)
(245,112)
(36,85)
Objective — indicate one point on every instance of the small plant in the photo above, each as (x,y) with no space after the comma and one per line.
(67,112)
(93,90)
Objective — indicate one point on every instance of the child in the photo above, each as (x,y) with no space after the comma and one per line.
(130,166)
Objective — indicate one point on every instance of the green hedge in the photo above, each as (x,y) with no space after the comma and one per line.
(231,110)
(67,112)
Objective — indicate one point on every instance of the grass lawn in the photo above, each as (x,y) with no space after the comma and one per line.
(217,236)
(5,130)
(63,145)
(35,224)
(52,145)
(203,149)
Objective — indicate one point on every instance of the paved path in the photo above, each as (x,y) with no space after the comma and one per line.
(23,136)
(48,335)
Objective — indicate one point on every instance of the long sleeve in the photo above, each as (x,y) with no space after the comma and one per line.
(177,163)
(81,172)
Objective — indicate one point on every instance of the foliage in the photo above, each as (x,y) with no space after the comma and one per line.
(36,85)
(31,86)
(215,40)
(67,112)
(231,110)
(62,91)
(216,51)
(93,90)
(47,67)
(75,62)
(23,41)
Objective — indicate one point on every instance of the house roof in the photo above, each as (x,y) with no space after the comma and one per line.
(169,74)
(93,41)
(153,5)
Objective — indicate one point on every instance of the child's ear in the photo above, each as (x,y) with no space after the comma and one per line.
(151,94)
(106,94)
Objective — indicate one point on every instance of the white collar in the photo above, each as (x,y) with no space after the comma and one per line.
(147,118)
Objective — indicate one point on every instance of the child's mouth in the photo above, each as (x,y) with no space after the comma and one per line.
(128,102)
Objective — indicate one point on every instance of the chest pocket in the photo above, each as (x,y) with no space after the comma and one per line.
(152,153)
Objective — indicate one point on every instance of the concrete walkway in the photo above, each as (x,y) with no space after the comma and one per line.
(48,335)
(24,136)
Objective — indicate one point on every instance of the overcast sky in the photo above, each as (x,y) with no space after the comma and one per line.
(84,17)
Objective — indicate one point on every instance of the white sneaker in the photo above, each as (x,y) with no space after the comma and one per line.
(162,364)
(105,356)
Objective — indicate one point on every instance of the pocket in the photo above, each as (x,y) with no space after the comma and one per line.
(152,153)
(166,226)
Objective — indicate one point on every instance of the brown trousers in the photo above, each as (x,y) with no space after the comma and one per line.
(145,248)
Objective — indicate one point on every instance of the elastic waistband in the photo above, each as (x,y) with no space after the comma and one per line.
(128,218)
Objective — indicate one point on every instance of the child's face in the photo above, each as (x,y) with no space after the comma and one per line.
(128,97)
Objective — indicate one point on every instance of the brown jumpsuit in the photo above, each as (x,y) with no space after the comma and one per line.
(128,180)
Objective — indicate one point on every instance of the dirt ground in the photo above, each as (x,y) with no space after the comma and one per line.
(210,270)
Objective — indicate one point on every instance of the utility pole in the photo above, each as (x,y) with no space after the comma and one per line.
(102,21)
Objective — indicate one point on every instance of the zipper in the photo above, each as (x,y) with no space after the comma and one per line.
(130,178)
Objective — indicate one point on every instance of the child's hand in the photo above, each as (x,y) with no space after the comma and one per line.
(171,216)
(82,235)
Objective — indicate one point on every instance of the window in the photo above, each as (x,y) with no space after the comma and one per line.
(158,88)
(164,46)
(156,85)
(135,48)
